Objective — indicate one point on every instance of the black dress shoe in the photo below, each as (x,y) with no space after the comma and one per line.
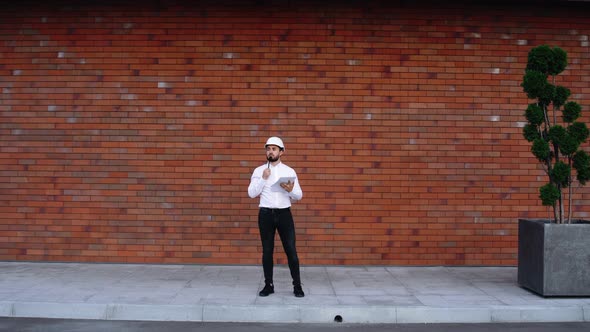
(298,291)
(267,290)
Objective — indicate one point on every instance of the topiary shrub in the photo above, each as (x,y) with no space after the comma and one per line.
(554,130)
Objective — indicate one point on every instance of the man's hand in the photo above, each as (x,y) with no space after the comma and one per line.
(288,186)
(266,173)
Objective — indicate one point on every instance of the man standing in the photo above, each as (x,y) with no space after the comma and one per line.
(277,185)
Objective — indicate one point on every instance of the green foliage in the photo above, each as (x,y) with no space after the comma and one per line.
(546,96)
(534,84)
(561,95)
(540,59)
(571,111)
(581,161)
(556,146)
(549,194)
(531,132)
(569,145)
(540,149)
(547,60)
(535,115)
(579,131)
(557,134)
(561,173)
(558,62)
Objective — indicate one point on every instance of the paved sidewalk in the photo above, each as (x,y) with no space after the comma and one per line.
(230,294)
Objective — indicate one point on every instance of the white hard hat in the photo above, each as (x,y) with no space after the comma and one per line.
(275,141)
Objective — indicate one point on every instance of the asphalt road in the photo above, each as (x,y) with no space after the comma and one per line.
(61,325)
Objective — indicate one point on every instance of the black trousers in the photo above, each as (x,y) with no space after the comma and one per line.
(281,220)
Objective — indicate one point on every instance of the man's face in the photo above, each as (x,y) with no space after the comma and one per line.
(273,153)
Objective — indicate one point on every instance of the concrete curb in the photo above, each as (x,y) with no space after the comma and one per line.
(295,313)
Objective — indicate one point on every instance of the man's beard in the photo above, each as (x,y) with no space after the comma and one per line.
(271,159)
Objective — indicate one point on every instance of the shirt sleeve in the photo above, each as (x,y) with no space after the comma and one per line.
(296,194)
(256,184)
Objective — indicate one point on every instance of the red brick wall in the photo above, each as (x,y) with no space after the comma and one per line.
(129,131)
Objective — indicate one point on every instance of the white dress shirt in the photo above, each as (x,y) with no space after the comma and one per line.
(274,199)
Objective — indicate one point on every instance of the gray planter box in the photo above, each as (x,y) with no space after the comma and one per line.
(554,260)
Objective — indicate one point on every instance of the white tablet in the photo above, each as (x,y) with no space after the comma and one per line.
(277,185)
